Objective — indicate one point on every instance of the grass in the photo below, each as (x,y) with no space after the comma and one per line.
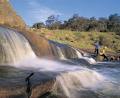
(83,40)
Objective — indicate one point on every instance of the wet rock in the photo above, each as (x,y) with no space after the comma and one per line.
(13,84)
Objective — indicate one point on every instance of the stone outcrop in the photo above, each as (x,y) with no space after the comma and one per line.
(9,19)
(8,16)
(14,85)
(19,92)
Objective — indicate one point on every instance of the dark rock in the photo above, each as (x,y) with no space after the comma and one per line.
(13,84)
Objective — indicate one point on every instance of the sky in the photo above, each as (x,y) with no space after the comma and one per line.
(33,11)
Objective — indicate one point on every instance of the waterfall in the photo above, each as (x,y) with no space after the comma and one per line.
(78,54)
(88,59)
(71,83)
(13,46)
(70,79)
(60,53)
(65,52)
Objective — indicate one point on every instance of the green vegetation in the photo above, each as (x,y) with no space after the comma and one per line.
(79,23)
(82,32)
(83,40)
(77,31)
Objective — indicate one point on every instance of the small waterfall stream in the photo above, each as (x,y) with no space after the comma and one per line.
(14,47)
(61,55)
(71,80)
(71,83)
(65,52)
(88,59)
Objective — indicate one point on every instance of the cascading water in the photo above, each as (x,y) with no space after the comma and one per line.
(65,52)
(13,46)
(88,59)
(61,55)
(71,80)
(71,83)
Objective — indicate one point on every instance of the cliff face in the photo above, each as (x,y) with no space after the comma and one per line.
(8,16)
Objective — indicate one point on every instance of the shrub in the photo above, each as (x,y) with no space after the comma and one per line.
(105,41)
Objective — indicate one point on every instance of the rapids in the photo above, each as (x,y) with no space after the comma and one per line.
(72,80)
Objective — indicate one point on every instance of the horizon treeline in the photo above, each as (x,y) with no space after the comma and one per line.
(79,23)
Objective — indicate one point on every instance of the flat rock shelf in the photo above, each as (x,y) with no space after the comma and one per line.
(13,84)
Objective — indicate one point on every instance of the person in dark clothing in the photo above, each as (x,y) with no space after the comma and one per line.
(28,84)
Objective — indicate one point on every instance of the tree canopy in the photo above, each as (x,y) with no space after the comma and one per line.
(78,23)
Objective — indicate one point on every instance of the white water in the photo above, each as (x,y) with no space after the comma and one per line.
(83,57)
(13,46)
(72,82)
(71,78)
(88,59)
(61,55)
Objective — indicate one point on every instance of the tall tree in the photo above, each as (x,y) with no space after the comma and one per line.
(53,22)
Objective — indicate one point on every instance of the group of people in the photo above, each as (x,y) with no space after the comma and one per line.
(101,51)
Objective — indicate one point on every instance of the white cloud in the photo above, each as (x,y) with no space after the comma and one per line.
(39,12)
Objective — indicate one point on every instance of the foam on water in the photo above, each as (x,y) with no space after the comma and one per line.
(71,82)
(61,55)
(13,46)
(88,59)
(70,79)
(45,65)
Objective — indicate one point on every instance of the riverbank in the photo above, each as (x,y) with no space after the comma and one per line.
(82,40)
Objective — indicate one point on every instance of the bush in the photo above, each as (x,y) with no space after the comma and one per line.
(116,45)
(105,41)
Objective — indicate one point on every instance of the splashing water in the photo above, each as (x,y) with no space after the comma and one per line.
(72,82)
(78,54)
(61,55)
(70,79)
(88,59)
(13,46)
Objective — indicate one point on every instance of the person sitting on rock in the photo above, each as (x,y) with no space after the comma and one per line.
(103,53)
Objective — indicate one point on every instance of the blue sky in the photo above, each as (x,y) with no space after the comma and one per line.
(33,11)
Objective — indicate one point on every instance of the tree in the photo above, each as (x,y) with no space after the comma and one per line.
(114,18)
(102,24)
(76,23)
(53,22)
(93,24)
(51,19)
(114,23)
(38,25)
